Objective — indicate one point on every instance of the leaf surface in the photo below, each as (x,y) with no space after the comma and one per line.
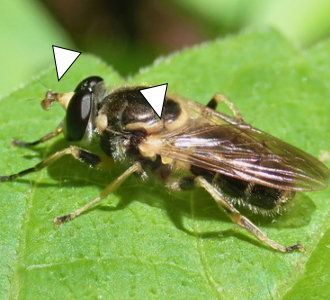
(142,242)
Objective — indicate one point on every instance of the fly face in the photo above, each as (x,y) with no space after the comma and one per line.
(192,145)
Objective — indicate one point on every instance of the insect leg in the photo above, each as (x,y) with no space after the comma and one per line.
(218,98)
(108,190)
(43,139)
(78,153)
(242,221)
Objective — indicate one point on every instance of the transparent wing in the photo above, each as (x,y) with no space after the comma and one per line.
(214,142)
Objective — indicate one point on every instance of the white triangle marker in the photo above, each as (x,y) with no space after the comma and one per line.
(155,96)
(64,58)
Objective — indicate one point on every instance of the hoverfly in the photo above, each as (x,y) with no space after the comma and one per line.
(191,145)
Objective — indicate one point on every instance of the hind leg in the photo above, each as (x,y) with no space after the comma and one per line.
(239,219)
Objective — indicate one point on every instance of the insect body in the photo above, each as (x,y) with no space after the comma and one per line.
(191,145)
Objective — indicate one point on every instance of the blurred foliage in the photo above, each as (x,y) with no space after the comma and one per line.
(303,22)
(131,34)
(27,33)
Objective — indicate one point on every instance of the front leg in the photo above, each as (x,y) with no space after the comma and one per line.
(45,138)
(80,154)
(84,156)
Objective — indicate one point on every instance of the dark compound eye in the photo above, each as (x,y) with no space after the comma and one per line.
(77,116)
(88,83)
(79,108)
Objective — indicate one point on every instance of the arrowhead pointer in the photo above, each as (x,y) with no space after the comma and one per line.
(64,58)
(155,96)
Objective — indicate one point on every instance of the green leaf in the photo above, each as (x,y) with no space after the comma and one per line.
(142,242)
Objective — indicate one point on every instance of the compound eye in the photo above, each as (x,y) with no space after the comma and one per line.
(77,115)
(88,83)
